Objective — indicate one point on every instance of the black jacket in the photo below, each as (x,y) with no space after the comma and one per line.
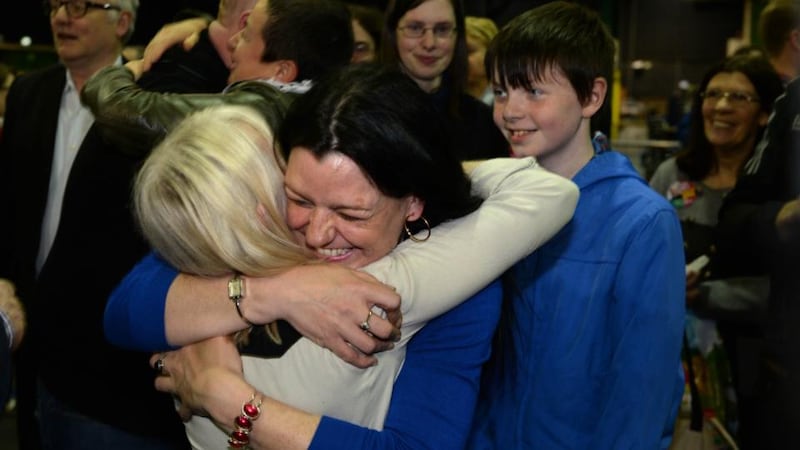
(95,246)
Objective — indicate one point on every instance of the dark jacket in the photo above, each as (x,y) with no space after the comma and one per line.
(749,243)
(94,247)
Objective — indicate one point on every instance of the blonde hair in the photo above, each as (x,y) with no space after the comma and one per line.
(209,198)
(480,28)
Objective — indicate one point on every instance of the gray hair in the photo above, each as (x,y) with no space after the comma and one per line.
(131,6)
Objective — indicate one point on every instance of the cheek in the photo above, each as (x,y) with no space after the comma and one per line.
(497,114)
(404,49)
(296,217)
(449,50)
(376,243)
(706,111)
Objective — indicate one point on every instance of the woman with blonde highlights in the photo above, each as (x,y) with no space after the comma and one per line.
(212,212)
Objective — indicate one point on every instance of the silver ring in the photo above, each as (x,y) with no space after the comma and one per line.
(159,366)
(365,324)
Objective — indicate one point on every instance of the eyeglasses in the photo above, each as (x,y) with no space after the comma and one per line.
(75,8)
(734,98)
(416,30)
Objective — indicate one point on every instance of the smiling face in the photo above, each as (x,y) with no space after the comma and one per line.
(547,121)
(732,125)
(426,58)
(91,41)
(338,213)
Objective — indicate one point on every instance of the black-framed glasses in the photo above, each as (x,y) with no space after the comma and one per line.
(733,97)
(75,8)
(416,30)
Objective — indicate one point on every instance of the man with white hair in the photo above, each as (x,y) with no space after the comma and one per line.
(65,204)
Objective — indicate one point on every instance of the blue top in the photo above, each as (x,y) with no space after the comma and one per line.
(591,345)
(434,395)
(128,303)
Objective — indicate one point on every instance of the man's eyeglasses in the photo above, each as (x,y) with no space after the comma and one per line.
(734,98)
(75,8)
(416,30)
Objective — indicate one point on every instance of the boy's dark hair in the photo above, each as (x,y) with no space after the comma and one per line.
(379,118)
(455,77)
(316,34)
(697,159)
(555,36)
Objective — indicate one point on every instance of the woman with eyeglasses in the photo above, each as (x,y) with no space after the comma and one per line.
(427,40)
(728,117)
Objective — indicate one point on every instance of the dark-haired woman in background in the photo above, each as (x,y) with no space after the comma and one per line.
(728,117)
(427,40)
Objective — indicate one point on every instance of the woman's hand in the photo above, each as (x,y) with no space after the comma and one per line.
(136,66)
(193,374)
(186,32)
(328,304)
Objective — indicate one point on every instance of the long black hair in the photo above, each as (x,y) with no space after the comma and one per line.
(378,117)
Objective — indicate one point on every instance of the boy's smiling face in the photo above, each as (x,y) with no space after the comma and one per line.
(545,121)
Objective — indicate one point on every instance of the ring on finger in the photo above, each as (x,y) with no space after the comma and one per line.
(159,365)
(365,324)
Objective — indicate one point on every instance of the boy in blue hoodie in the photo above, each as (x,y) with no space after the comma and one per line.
(588,353)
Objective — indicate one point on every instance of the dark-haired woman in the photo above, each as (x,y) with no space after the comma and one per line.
(728,117)
(427,40)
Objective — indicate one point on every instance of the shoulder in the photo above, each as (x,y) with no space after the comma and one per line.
(623,193)
(50,74)
(666,173)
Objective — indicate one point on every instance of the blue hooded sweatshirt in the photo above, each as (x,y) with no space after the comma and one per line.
(588,350)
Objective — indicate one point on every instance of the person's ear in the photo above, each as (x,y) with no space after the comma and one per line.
(124,23)
(415,208)
(287,71)
(243,20)
(596,97)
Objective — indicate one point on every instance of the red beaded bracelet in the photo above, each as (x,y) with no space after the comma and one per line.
(243,425)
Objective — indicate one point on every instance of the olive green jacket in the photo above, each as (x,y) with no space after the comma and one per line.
(134,120)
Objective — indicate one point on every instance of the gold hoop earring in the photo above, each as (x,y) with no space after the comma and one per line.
(414,238)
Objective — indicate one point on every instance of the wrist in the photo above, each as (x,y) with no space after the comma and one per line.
(262,291)
(243,423)
(237,294)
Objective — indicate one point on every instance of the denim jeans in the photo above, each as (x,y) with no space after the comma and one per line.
(63,428)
